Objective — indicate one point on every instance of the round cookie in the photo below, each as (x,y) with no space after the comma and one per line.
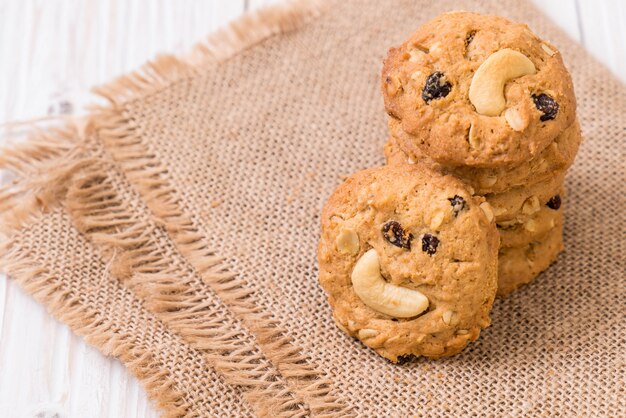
(520,265)
(534,229)
(477,90)
(555,159)
(408,258)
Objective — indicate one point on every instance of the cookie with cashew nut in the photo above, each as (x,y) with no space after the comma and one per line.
(408,259)
(476,90)
(553,161)
(518,266)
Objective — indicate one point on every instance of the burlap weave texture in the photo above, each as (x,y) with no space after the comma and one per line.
(235,158)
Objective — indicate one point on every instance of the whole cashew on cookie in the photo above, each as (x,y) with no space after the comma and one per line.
(486,91)
(384,297)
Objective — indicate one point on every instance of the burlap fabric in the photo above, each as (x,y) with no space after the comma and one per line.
(177,231)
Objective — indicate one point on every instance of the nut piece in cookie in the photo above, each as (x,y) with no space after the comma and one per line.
(408,259)
(486,91)
(381,296)
(474,90)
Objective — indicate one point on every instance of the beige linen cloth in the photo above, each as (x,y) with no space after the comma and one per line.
(176,230)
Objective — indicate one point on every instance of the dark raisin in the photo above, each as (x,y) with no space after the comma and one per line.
(546,105)
(436,87)
(406,358)
(458,204)
(554,202)
(430,244)
(396,235)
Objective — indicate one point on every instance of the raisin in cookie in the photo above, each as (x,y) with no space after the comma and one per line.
(555,159)
(520,265)
(477,90)
(408,258)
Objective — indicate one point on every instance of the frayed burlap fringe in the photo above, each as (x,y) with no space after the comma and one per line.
(170,292)
(40,170)
(54,169)
(43,168)
(95,329)
(145,270)
(24,157)
(123,140)
(253,28)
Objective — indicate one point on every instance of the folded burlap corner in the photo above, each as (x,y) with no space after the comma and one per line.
(177,230)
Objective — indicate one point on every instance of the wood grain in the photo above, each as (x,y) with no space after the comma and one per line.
(51,53)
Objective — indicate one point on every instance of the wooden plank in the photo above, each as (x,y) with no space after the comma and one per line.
(53,52)
(563,13)
(604,33)
(255,4)
(3,296)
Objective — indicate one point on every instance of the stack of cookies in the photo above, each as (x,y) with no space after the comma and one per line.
(484,99)
(482,130)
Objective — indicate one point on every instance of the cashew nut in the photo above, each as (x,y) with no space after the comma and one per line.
(366,333)
(515,119)
(473,139)
(387,298)
(531,205)
(531,225)
(347,241)
(486,91)
(415,54)
(447,317)
(488,181)
(486,207)
(437,219)
(548,50)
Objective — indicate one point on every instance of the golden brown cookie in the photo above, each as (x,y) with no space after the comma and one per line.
(476,90)
(408,258)
(520,265)
(554,160)
(519,204)
(544,222)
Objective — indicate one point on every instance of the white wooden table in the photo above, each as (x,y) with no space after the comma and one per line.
(51,53)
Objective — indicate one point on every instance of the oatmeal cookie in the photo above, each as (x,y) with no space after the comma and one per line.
(477,90)
(554,160)
(408,258)
(520,265)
